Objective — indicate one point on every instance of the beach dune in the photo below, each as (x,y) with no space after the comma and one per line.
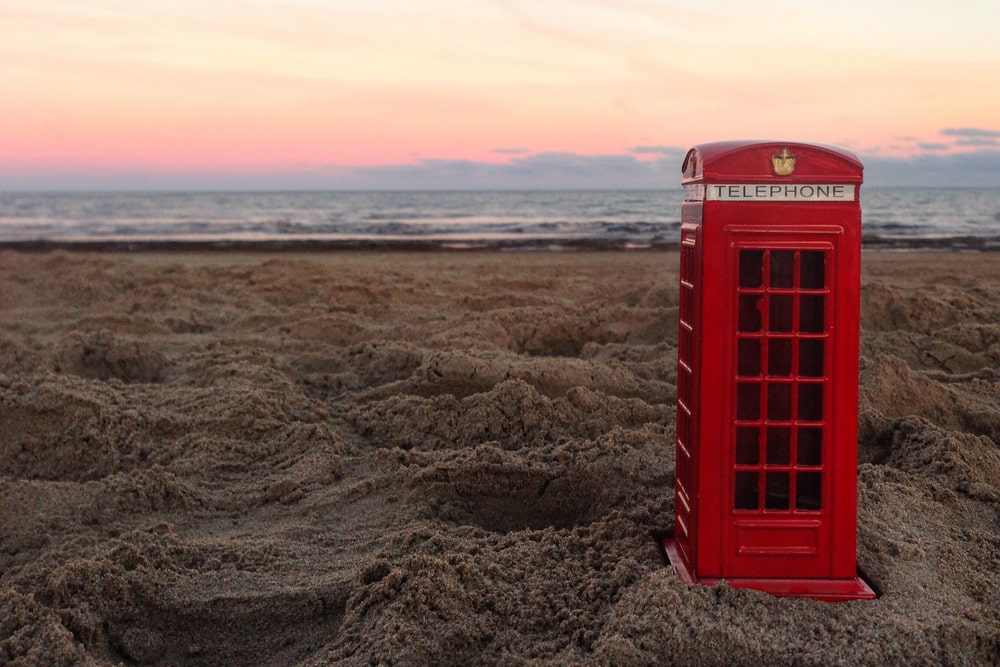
(450,458)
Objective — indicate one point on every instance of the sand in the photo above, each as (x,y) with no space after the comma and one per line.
(450,459)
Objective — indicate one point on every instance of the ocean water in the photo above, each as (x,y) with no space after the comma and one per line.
(621,216)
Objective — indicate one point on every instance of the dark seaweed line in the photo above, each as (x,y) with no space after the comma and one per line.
(873,242)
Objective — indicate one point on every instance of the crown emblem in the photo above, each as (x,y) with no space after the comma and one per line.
(783,163)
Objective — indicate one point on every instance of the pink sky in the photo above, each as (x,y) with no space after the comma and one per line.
(267,86)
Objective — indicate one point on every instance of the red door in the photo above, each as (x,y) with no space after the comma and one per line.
(778,463)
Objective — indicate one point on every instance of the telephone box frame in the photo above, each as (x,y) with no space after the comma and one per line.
(766,449)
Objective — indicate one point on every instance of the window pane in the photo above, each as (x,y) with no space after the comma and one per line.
(810,450)
(749,317)
(748,357)
(782,268)
(811,316)
(747,446)
(687,261)
(777,491)
(780,313)
(811,358)
(748,401)
(812,272)
(779,356)
(779,444)
(684,345)
(751,265)
(808,492)
(686,312)
(684,428)
(779,401)
(811,402)
(746,491)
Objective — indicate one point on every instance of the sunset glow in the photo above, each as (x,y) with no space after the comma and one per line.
(273,85)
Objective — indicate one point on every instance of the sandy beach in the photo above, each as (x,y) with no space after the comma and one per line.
(450,458)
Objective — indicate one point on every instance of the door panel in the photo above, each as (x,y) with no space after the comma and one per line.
(778,521)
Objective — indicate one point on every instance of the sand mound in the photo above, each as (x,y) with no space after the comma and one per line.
(964,462)
(105,355)
(963,403)
(58,428)
(513,413)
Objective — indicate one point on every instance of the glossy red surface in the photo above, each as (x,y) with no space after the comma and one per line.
(767,374)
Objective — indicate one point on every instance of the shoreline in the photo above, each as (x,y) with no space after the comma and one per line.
(291,245)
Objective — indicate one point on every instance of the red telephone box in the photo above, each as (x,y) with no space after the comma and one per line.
(767,371)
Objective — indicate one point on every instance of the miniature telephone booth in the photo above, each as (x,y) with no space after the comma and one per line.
(767,371)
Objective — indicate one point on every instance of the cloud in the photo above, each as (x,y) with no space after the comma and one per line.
(933,147)
(510,151)
(979,168)
(975,137)
(672,151)
(551,170)
(977,141)
(646,169)
(969,132)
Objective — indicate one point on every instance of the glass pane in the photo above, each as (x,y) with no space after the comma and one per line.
(810,447)
(684,345)
(808,491)
(687,261)
(747,446)
(748,358)
(780,313)
(811,316)
(811,358)
(779,356)
(682,469)
(777,492)
(687,304)
(750,319)
(811,402)
(812,274)
(748,401)
(751,265)
(779,445)
(779,401)
(782,268)
(746,491)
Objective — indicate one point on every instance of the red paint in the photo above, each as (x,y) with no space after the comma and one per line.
(766,492)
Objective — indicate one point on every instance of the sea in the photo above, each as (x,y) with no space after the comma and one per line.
(892,217)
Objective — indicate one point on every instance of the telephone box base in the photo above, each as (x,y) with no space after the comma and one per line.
(827,590)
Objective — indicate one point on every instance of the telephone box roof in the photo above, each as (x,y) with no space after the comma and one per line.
(751,160)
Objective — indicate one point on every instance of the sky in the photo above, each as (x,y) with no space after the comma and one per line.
(454,94)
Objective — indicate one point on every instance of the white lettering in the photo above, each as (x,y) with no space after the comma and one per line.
(830,192)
